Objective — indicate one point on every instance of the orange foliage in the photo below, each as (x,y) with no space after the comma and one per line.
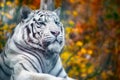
(92,30)
(33,4)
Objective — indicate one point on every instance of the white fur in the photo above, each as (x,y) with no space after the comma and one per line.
(15,56)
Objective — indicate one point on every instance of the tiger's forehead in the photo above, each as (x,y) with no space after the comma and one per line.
(45,15)
(44,12)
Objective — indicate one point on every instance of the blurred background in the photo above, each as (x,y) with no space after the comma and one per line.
(92,49)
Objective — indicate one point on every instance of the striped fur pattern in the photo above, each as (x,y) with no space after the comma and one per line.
(32,51)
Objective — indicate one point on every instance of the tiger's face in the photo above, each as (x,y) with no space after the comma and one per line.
(49,31)
(43,30)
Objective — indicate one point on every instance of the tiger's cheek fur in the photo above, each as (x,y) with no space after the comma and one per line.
(50,41)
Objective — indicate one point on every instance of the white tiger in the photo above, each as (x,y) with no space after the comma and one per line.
(32,51)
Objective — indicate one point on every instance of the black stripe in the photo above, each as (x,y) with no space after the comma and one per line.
(36,21)
(38,54)
(1,78)
(59,71)
(33,31)
(31,64)
(12,77)
(42,23)
(65,76)
(32,27)
(55,62)
(41,61)
(28,51)
(23,67)
(30,59)
(37,12)
(28,30)
(5,63)
(7,74)
(13,72)
(4,54)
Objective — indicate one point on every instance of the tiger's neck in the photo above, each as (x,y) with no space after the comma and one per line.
(49,62)
(48,59)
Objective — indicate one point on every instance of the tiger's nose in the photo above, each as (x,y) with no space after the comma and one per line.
(55,33)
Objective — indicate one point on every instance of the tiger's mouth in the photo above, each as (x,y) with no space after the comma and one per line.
(47,43)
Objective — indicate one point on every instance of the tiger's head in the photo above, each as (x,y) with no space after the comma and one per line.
(40,29)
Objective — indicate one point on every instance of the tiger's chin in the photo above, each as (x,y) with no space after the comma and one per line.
(54,47)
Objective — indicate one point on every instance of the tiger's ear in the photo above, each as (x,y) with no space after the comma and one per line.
(24,12)
(58,11)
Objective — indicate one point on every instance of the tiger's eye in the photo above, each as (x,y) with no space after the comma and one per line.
(41,15)
(57,23)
